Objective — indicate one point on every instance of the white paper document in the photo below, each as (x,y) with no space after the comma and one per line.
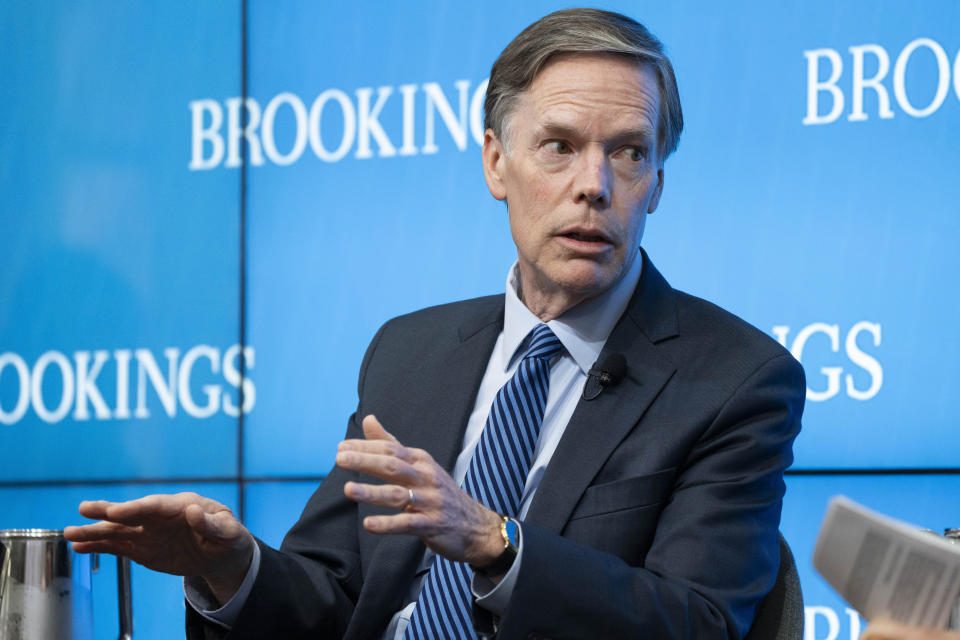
(887,568)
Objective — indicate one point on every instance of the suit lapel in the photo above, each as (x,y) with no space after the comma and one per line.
(446,399)
(598,426)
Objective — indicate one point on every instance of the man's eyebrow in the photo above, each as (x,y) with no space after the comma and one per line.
(643,137)
(561,130)
(644,134)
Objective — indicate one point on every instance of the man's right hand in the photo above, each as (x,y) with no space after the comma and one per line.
(183,534)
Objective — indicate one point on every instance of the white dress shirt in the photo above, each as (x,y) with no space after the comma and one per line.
(582,331)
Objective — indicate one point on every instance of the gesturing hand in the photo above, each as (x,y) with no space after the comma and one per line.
(887,630)
(447,519)
(183,534)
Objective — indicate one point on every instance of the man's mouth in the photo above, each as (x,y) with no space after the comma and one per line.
(584,237)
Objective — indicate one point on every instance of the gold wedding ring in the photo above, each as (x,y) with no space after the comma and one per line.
(412,499)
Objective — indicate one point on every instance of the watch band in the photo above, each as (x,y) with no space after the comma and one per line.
(510,531)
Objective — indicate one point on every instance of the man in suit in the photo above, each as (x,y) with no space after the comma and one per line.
(649,498)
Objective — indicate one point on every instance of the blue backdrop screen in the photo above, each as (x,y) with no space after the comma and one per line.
(209,207)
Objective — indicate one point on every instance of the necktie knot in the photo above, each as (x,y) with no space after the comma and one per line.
(544,344)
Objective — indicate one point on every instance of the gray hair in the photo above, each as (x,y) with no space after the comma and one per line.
(580,31)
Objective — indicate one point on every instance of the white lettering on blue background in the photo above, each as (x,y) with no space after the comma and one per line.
(72,383)
(825,68)
(460,111)
(823,623)
(833,374)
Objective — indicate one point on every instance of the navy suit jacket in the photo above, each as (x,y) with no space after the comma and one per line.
(657,516)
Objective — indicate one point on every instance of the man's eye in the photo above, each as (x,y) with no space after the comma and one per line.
(558,146)
(634,154)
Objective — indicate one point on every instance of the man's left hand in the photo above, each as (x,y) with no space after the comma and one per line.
(445,517)
(888,630)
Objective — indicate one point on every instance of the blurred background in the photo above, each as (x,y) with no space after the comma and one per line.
(208,208)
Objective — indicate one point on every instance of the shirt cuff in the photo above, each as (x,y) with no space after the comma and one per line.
(494,597)
(198,595)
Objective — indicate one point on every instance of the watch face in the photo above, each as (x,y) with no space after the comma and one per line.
(513,532)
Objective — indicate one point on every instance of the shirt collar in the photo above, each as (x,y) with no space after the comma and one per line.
(582,330)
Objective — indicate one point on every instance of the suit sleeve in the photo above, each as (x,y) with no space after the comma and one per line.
(308,588)
(715,551)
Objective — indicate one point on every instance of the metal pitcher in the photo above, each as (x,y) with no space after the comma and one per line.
(45,588)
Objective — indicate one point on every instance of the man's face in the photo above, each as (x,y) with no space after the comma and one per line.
(580,172)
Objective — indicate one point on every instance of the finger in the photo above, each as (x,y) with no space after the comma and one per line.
(390,495)
(94,509)
(143,510)
(158,507)
(380,447)
(889,630)
(415,524)
(878,631)
(389,468)
(99,531)
(207,504)
(220,526)
(373,430)
(119,548)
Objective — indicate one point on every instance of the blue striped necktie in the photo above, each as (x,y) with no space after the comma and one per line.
(496,477)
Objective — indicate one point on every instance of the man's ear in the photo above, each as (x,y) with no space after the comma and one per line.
(494,157)
(657,191)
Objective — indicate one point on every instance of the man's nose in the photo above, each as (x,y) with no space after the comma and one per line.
(593,178)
